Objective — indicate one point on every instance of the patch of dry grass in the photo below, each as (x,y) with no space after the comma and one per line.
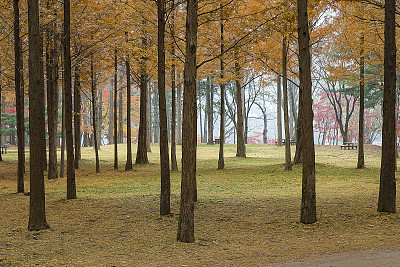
(247,214)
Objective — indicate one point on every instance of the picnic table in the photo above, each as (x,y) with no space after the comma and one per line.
(348,145)
(216,141)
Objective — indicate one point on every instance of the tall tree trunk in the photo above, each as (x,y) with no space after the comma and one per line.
(221,161)
(148,121)
(298,156)
(210,113)
(120,119)
(71,186)
(62,158)
(189,131)
(111,114)
(115,110)
(279,111)
(128,165)
(240,147)
(37,213)
(179,114)
(164,157)
(94,113)
(77,116)
(387,187)
(52,103)
(360,163)
(1,108)
(156,119)
(174,163)
(308,200)
(141,155)
(288,157)
(19,99)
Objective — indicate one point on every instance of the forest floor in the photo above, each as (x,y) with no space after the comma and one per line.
(246,215)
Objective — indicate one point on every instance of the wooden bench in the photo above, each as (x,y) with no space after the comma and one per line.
(292,142)
(4,148)
(348,145)
(217,140)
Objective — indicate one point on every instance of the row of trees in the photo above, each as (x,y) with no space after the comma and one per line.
(232,44)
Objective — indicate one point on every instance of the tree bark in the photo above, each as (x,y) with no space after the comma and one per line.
(179,114)
(52,103)
(115,110)
(37,213)
(128,165)
(279,111)
(221,162)
(77,116)
(71,186)
(174,163)
(164,156)
(361,163)
(288,157)
(141,155)
(94,113)
(387,187)
(189,131)
(308,200)
(19,99)
(240,146)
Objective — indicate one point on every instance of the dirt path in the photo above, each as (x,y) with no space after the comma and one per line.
(373,257)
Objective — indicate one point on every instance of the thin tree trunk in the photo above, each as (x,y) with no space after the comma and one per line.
(189,131)
(120,119)
(115,110)
(52,103)
(174,163)
(128,165)
(141,155)
(221,162)
(77,116)
(308,200)
(111,114)
(19,98)
(164,157)
(360,163)
(387,187)
(37,213)
(94,113)
(179,114)
(298,156)
(288,157)
(62,159)
(71,186)
(240,146)
(279,110)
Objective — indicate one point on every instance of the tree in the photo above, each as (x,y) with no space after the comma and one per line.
(128,165)
(288,160)
(19,99)
(189,129)
(241,147)
(71,186)
(77,115)
(279,111)
(174,163)
(387,186)
(37,213)
(164,156)
(360,162)
(308,200)
(221,162)
(115,110)
(94,113)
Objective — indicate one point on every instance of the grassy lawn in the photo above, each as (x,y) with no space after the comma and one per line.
(247,214)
